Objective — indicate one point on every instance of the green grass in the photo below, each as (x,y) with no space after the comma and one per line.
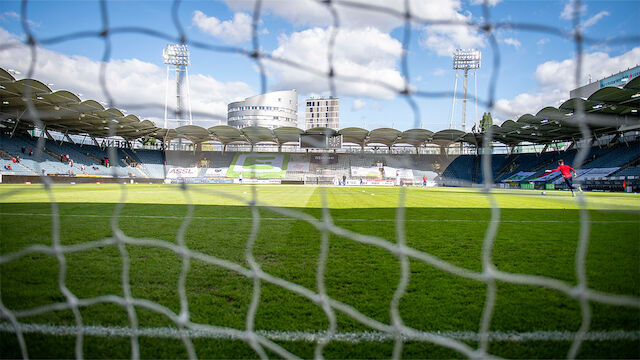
(362,276)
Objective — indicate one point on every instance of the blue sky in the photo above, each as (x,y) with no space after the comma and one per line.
(537,68)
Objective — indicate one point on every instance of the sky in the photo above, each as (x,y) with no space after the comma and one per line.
(537,64)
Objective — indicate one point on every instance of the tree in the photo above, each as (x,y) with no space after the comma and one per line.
(486,121)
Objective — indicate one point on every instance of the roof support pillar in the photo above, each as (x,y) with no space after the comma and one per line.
(95,141)
(18,118)
(544,149)
(45,132)
(66,135)
(614,138)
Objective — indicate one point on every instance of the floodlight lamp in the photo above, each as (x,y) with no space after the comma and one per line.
(466,59)
(176,54)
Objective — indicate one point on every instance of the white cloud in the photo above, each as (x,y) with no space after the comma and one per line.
(542,41)
(442,39)
(567,11)
(513,42)
(489,2)
(231,31)
(358,104)
(135,85)
(12,15)
(556,78)
(594,19)
(362,53)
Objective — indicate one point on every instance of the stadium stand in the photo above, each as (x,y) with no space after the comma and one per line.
(605,166)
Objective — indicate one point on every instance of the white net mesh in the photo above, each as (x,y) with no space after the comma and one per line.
(267,342)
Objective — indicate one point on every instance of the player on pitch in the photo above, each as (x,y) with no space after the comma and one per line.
(566,174)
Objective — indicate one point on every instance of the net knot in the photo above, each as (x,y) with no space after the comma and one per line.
(400,250)
(104,33)
(578,292)
(72,300)
(183,318)
(489,272)
(478,355)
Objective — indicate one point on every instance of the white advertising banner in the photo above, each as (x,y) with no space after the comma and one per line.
(178,173)
(258,163)
(391,172)
(298,166)
(216,172)
(365,171)
(258,181)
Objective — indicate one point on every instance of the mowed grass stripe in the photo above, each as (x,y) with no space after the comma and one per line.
(262,218)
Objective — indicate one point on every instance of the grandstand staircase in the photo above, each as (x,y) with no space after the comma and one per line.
(51,153)
(26,168)
(505,169)
(476,168)
(98,161)
(141,169)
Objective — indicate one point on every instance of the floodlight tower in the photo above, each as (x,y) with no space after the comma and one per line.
(465,59)
(176,56)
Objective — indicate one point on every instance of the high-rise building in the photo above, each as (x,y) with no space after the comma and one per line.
(322,112)
(270,110)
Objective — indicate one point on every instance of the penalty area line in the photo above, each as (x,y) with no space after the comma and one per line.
(293,219)
(314,336)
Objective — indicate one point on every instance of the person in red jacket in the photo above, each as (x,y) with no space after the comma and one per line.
(566,171)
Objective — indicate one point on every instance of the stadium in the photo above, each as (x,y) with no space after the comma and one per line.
(124,238)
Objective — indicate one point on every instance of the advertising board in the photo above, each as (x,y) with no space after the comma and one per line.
(261,166)
(177,173)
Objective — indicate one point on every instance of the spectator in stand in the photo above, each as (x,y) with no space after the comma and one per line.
(23,149)
(30,151)
(17,159)
(63,158)
(82,167)
(344,179)
(106,162)
(424,181)
(13,159)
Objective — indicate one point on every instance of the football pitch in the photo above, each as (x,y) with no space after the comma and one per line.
(118,242)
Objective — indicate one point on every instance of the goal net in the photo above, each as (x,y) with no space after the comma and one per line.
(254,270)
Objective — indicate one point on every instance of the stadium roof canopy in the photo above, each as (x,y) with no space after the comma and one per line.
(63,111)
(608,110)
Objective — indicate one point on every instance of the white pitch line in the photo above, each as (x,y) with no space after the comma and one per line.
(313,336)
(292,219)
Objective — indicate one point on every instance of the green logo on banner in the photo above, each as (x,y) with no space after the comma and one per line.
(258,162)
